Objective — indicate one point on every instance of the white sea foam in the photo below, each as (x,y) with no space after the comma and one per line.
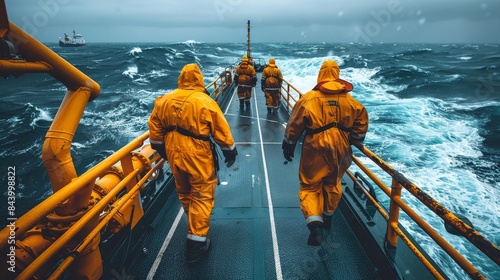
(135,50)
(42,115)
(131,71)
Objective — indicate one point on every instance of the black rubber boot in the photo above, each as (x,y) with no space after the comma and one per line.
(327,222)
(247,103)
(242,103)
(196,250)
(269,110)
(316,236)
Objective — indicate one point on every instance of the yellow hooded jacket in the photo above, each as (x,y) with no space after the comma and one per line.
(245,73)
(274,73)
(191,108)
(326,152)
(191,159)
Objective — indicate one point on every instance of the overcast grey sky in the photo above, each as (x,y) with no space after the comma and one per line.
(423,21)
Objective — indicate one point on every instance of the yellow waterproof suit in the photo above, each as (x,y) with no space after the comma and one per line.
(191,159)
(271,84)
(246,77)
(331,118)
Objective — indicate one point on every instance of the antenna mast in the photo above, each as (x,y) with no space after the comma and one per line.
(249,55)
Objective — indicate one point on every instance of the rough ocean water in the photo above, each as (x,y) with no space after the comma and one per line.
(434,115)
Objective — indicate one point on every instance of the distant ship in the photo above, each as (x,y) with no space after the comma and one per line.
(75,41)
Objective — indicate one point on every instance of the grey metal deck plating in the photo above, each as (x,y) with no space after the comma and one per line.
(242,222)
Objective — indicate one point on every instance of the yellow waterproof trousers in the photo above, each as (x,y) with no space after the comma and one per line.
(320,177)
(272,98)
(195,191)
(244,93)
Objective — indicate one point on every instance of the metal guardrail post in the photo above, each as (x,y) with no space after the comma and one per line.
(392,236)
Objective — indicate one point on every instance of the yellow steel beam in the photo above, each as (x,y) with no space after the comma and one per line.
(32,50)
(56,151)
(29,271)
(16,67)
(135,205)
(372,176)
(116,207)
(28,220)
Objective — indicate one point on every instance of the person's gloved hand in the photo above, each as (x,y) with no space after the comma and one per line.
(288,150)
(230,156)
(160,148)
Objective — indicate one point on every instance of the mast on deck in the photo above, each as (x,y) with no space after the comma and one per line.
(249,53)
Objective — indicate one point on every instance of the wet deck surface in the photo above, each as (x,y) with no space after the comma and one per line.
(257,228)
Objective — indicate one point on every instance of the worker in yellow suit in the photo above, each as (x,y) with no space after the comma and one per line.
(246,78)
(181,127)
(331,120)
(271,85)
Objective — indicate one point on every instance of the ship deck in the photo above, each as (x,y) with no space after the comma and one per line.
(257,228)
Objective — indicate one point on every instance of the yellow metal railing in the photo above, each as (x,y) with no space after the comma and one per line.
(29,220)
(290,96)
(396,203)
(39,212)
(219,85)
(117,206)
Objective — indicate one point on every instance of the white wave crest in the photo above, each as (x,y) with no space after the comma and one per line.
(131,71)
(42,115)
(135,50)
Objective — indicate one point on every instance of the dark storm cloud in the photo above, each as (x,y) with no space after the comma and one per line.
(225,20)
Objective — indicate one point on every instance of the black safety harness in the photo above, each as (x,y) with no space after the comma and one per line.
(309,131)
(186,132)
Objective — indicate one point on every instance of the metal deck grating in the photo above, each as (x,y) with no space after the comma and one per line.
(242,246)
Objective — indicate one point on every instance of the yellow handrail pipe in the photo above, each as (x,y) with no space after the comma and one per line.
(109,185)
(15,67)
(70,233)
(32,50)
(286,97)
(29,220)
(393,230)
(102,223)
(468,232)
(56,151)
